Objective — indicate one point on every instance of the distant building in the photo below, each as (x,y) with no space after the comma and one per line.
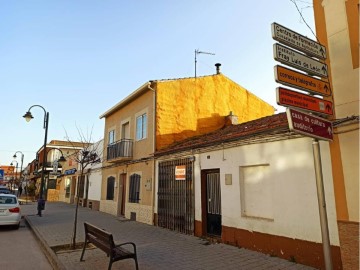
(54,150)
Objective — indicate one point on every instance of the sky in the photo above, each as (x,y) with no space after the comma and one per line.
(78,58)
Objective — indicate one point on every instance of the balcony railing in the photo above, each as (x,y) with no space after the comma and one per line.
(120,149)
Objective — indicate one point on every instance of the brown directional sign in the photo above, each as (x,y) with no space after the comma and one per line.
(301,81)
(290,98)
(309,125)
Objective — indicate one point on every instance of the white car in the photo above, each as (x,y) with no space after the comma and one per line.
(10,211)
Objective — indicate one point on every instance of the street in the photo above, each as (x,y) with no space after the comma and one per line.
(20,250)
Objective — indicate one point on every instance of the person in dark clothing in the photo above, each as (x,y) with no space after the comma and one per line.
(19,191)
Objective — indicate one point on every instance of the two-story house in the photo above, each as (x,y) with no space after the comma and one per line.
(53,189)
(154,116)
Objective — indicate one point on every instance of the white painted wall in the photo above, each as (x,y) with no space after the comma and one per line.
(95,175)
(95,185)
(293,188)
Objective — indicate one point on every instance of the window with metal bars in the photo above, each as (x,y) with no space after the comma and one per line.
(110,188)
(134,188)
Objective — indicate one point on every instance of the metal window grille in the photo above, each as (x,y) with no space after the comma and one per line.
(110,188)
(134,188)
(213,193)
(175,197)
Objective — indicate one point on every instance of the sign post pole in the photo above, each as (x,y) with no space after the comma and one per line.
(306,124)
(322,205)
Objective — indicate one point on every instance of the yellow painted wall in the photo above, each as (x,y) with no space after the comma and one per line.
(191,107)
(337,27)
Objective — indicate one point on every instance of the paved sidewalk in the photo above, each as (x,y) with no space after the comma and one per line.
(157,248)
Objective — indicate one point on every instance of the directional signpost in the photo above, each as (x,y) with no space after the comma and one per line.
(290,98)
(301,81)
(302,122)
(298,60)
(309,125)
(297,41)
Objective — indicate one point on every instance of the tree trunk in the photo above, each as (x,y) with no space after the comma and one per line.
(73,243)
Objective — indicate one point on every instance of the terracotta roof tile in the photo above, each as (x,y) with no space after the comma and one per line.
(230,133)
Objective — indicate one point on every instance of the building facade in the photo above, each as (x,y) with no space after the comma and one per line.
(337,27)
(154,116)
(252,185)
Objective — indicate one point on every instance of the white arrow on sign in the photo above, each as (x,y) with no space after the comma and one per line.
(297,60)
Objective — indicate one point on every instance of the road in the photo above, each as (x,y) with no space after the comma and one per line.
(20,250)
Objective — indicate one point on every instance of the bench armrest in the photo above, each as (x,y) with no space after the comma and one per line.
(127,243)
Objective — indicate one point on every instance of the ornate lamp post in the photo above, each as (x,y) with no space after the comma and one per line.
(28,116)
(21,164)
(11,164)
(61,160)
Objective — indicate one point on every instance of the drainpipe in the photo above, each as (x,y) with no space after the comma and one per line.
(154,149)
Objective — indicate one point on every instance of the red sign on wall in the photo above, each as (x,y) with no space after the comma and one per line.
(180,172)
(309,125)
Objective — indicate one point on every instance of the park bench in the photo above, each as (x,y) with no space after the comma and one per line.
(105,241)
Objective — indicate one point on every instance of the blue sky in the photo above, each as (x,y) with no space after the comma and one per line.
(78,58)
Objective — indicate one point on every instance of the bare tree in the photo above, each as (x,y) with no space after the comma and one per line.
(89,154)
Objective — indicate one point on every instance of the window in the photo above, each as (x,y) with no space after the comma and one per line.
(110,188)
(141,127)
(125,131)
(67,187)
(134,189)
(52,184)
(111,136)
(256,186)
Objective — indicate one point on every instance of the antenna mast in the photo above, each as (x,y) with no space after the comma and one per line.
(198,52)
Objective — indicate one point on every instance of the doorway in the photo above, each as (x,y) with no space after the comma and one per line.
(211,202)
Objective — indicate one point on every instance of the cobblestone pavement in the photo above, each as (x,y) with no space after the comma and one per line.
(157,248)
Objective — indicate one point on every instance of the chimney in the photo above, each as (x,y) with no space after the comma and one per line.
(231,120)
(217,65)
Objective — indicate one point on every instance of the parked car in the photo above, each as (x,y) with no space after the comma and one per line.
(4,190)
(10,211)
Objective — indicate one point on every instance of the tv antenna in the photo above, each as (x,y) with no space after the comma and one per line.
(198,52)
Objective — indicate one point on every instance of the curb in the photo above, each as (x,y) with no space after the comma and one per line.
(49,253)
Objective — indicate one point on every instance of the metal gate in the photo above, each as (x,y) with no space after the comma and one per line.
(175,197)
(213,197)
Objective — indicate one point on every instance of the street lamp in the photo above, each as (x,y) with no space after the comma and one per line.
(21,164)
(61,160)
(28,116)
(11,164)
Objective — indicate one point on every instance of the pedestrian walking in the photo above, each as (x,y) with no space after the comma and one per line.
(19,190)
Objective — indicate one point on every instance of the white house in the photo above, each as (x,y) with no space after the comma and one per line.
(250,185)
(90,187)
